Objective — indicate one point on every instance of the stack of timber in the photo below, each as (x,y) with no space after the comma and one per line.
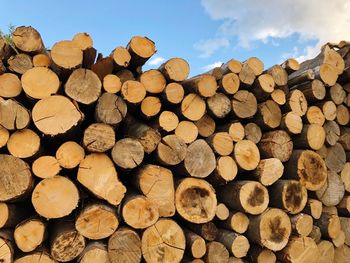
(102,162)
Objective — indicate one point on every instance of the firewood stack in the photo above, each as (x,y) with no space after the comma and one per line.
(102,162)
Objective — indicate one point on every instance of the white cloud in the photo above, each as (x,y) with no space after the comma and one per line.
(156,61)
(211,66)
(209,46)
(324,21)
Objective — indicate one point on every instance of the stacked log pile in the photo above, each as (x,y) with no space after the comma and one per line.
(103,162)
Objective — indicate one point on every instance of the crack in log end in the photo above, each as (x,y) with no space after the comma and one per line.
(294,196)
(256,197)
(277,232)
(195,201)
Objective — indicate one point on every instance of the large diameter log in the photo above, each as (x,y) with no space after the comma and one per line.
(302,224)
(300,249)
(246,196)
(39,256)
(271,229)
(165,236)
(195,244)
(276,144)
(244,104)
(67,55)
(56,115)
(312,136)
(70,154)
(55,197)
(27,39)
(20,63)
(127,153)
(110,109)
(16,180)
(237,245)
(332,192)
(13,116)
(140,205)
(175,69)
(157,184)
(308,167)
(66,243)
(236,221)
(288,195)
(29,234)
(140,49)
(195,200)
(124,246)
(94,252)
(97,221)
(10,85)
(171,150)
(23,143)
(98,167)
(246,154)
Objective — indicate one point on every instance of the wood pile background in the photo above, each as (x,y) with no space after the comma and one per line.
(102,162)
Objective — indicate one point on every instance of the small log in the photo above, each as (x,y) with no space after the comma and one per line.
(41,60)
(195,200)
(313,90)
(140,49)
(252,132)
(20,63)
(221,143)
(245,196)
(173,93)
(222,212)
(261,255)
(16,180)
(175,69)
(140,205)
(246,155)
(225,171)
(236,221)
(296,102)
(279,96)
(268,115)
(29,234)
(301,224)
(314,115)
(308,167)
(99,137)
(58,192)
(157,184)
(271,229)
(150,106)
(27,39)
(263,86)
(343,115)
(97,221)
(329,225)
(326,249)
(329,110)
(167,121)
(345,176)
(165,236)
(288,195)
(219,105)
(195,244)
(332,192)
(94,252)
(246,75)
(133,91)
(337,94)
(244,104)
(313,207)
(112,83)
(121,58)
(124,245)
(204,85)
(332,132)
(95,167)
(229,83)
(316,234)
(23,143)
(7,251)
(276,144)
(56,115)
(10,215)
(290,65)
(10,85)
(110,109)
(292,123)
(216,252)
(125,75)
(237,245)
(206,126)
(312,137)
(344,138)
(255,64)
(234,129)
(207,230)
(300,249)
(127,153)
(193,107)
(187,131)
(268,171)
(45,167)
(279,75)
(171,150)
(67,55)
(70,154)
(66,243)
(153,80)
(298,77)
(13,116)
(336,158)
(232,65)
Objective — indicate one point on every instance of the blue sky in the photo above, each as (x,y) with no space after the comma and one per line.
(203,32)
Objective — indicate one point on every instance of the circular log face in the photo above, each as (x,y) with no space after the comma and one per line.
(67,54)
(29,234)
(36,257)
